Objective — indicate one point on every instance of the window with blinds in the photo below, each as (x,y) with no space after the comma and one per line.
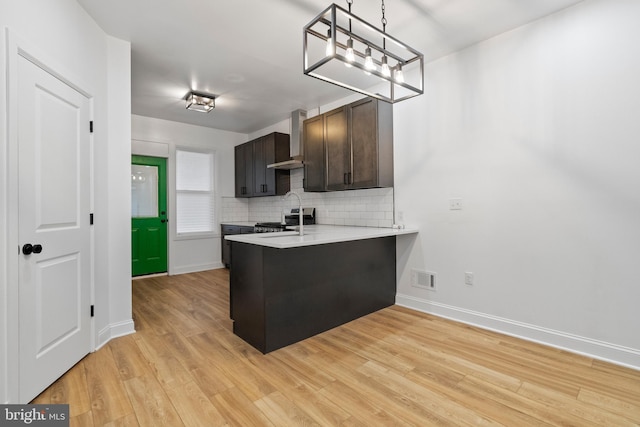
(195,199)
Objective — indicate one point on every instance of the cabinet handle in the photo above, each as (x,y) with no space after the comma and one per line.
(349,179)
(344,179)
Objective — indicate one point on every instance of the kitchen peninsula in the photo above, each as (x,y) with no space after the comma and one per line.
(285,287)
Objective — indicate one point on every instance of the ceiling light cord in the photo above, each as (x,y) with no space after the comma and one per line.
(385,67)
(383,20)
(398,75)
(349,54)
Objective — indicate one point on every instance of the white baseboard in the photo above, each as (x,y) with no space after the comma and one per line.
(114,330)
(596,349)
(195,268)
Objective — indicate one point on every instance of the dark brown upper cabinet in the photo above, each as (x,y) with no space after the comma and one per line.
(314,157)
(356,145)
(244,170)
(252,177)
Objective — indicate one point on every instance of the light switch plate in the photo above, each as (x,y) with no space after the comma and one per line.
(455,204)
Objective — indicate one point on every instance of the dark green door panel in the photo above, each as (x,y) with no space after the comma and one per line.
(149,219)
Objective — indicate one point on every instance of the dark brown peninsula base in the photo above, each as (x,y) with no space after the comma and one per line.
(282,296)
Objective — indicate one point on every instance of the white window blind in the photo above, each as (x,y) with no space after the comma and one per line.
(194,192)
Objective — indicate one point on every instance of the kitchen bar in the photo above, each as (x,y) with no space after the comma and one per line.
(285,288)
(318,235)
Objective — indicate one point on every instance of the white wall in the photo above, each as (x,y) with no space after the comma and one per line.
(116,160)
(195,254)
(65,38)
(537,131)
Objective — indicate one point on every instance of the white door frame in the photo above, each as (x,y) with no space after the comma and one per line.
(16,46)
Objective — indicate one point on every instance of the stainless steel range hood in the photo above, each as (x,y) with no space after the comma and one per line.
(295,163)
(296,147)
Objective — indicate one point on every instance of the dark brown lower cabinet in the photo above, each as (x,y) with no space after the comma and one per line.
(227,230)
(282,296)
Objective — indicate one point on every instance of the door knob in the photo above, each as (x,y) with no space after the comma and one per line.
(29,249)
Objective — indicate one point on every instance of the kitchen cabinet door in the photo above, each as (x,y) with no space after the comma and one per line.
(252,177)
(227,230)
(338,150)
(263,154)
(314,160)
(272,148)
(371,139)
(244,170)
(350,147)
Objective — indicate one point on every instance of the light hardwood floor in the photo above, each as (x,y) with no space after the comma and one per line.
(184,366)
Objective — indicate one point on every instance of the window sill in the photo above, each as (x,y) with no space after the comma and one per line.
(196,236)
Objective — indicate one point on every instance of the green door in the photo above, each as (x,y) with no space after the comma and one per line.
(148,215)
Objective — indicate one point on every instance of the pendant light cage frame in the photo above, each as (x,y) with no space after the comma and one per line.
(326,40)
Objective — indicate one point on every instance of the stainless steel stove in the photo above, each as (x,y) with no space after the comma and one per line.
(269,227)
(290,221)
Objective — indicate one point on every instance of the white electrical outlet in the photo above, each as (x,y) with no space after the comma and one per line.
(468,278)
(455,204)
(423,279)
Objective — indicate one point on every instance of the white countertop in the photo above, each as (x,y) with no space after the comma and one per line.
(318,235)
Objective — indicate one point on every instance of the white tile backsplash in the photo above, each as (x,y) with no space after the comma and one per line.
(368,208)
(234,209)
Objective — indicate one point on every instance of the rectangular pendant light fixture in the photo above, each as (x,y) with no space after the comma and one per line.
(201,102)
(341,48)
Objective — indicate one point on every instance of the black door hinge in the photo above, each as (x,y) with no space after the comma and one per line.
(91,126)
(92,311)
(90,219)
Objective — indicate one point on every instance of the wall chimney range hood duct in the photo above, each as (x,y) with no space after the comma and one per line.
(296,146)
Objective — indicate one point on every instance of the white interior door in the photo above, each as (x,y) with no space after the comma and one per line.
(54,203)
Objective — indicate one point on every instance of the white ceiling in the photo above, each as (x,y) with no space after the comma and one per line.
(249,52)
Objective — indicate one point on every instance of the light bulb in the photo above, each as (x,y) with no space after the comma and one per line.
(386,71)
(349,53)
(329,49)
(398,74)
(368,60)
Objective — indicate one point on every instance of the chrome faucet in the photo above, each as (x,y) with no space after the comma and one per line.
(300,220)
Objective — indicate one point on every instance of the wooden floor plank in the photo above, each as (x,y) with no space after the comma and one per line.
(239,410)
(397,366)
(282,412)
(194,407)
(109,399)
(128,357)
(151,403)
(560,402)
(165,366)
(610,404)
